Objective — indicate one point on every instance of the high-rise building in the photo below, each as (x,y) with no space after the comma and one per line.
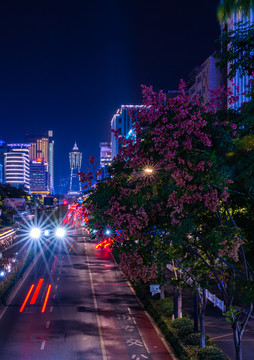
(3,149)
(105,159)
(105,154)
(38,177)
(42,146)
(123,122)
(1,173)
(16,166)
(205,78)
(240,82)
(75,157)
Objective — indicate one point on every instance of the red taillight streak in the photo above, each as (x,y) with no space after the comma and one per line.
(46,299)
(36,293)
(26,299)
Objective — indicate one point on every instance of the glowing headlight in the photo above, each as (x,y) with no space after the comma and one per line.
(60,232)
(107,232)
(46,232)
(35,233)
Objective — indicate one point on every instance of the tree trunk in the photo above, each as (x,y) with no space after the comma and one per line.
(195,298)
(162,293)
(176,303)
(202,329)
(180,303)
(238,344)
(202,307)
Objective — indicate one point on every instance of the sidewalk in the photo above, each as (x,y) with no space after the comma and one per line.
(217,328)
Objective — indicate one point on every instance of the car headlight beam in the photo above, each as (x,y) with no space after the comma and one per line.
(35,233)
(60,232)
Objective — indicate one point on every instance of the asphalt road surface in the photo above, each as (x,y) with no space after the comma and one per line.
(74,304)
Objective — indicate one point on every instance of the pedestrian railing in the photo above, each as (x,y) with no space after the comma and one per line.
(211,297)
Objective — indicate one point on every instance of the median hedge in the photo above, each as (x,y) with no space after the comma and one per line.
(179,333)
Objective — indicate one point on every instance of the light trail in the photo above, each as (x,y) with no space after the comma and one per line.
(26,299)
(46,299)
(36,293)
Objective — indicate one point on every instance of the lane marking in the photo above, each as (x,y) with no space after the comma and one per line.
(43,343)
(56,286)
(51,308)
(46,298)
(103,350)
(47,324)
(37,290)
(26,299)
(54,296)
(57,279)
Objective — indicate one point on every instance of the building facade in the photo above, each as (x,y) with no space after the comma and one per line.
(42,147)
(3,149)
(123,122)
(75,157)
(16,164)
(105,159)
(205,78)
(105,154)
(240,82)
(39,177)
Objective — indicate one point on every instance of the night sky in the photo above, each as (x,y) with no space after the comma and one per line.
(68,65)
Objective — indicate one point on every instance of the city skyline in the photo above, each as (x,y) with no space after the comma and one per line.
(68,69)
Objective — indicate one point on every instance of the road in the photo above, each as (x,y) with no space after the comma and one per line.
(79,308)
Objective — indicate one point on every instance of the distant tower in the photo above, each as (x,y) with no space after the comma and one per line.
(75,157)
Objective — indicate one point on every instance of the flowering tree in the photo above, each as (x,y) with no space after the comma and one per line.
(169,194)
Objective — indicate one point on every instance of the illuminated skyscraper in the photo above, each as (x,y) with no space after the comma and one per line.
(51,162)
(16,165)
(75,157)
(42,147)
(38,177)
(105,159)
(123,122)
(241,82)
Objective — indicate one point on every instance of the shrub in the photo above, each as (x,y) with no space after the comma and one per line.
(182,323)
(210,353)
(166,306)
(194,339)
(184,326)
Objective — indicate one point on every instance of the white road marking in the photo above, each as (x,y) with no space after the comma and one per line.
(131,342)
(43,344)
(51,308)
(56,286)
(54,296)
(47,324)
(57,279)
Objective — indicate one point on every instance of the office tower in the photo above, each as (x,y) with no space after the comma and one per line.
(38,177)
(122,121)
(75,157)
(1,173)
(239,81)
(16,165)
(3,149)
(42,147)
(105,159)
(51,161)
(205,78)
(105,154)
